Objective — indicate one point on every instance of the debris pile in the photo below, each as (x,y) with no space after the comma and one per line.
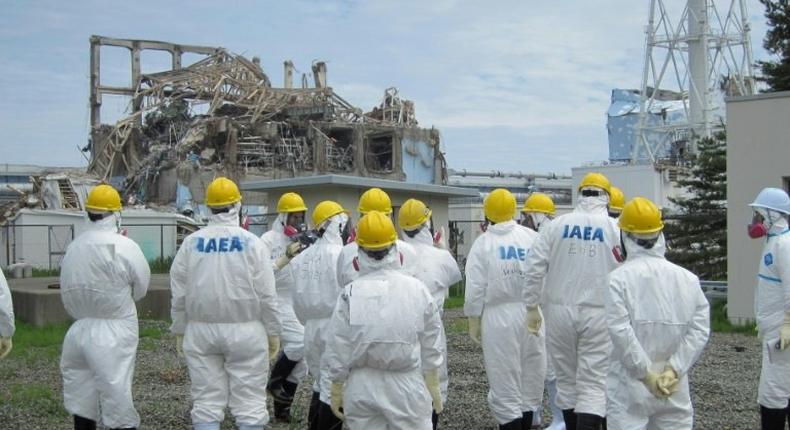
(221,115)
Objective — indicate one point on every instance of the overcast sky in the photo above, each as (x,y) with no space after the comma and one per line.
(512,85)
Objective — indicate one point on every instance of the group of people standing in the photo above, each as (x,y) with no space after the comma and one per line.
(584,305)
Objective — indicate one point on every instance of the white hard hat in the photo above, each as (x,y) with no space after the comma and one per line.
(775,199)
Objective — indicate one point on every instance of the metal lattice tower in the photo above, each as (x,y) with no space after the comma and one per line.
(695,60)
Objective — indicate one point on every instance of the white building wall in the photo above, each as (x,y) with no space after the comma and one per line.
(758,156)
(635,180)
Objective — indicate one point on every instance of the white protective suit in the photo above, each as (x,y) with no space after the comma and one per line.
(225,305)
(657,316)
(386,334)
(515,359)
(292,339)
(772,300)
(102,274)
(438,270)
(315,295)
(574,254)
(346,272)
(6,309)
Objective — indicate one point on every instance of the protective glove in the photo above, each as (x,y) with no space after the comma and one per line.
(5,346)
(293,249)
(274,347)
(534,320)
(432,382)
(474,329)
(668,380)
(180,345)
(336,399)
(784,333)
(651,383)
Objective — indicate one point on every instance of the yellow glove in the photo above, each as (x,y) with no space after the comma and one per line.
(180,345)
(668,381)
(784,333)
(274,347)
(293,249)
(474,329)
(651,383)
(5,346)
(432,382)
(534,320)
(336,399)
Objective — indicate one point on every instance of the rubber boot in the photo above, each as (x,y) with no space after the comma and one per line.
(82,423)
(772,419)
(569,416)
(588,422)
(434,420)
(282,403)
(513,425)
(280,371)
(557,421)
(526,420)
(327,419)
(312,413)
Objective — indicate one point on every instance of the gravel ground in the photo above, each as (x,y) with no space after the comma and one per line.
(724,385)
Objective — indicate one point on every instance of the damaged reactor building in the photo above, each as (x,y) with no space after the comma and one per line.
(221,115)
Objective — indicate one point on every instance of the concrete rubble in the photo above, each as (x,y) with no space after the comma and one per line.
(222,116)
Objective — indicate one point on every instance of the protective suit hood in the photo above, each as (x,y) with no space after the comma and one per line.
(230,217)
(502,228)
(636,251)
(423,237)
(333,228)
(777,223)
(593,204)
(111,223)
(278,225)
(369,265)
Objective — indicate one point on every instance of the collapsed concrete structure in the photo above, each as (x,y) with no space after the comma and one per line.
(222,116)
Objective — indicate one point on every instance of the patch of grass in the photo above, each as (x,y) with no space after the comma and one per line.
(45,273)
(453,302)
(37,399)
(721,324)
(459,325)
(151,332)
(147,344)
(38,343)
(161,265)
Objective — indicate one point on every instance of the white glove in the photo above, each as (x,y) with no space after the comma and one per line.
(274,347)
(668,380)
(432,382)
(180,345)
(534,320)
(5,346)
(336,399)
(474,329)
(784,333)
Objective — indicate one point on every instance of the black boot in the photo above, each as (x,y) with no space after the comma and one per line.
(282,399)
(280,371)
(327,419)
(434,419)
(569,416)
(312,413)
(526,420)
(772,419)
(81,423)
(513,425)
(588,422)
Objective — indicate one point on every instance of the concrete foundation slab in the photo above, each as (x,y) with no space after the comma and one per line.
(38,304)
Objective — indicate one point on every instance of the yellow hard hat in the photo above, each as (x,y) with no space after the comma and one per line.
(375,199)
(325,210)
(375,231)
(413,214)
(616,199)
(222,192)
(597,180)
(500,205)
(291,202)
(640,216)
(103,198)
(539,202)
